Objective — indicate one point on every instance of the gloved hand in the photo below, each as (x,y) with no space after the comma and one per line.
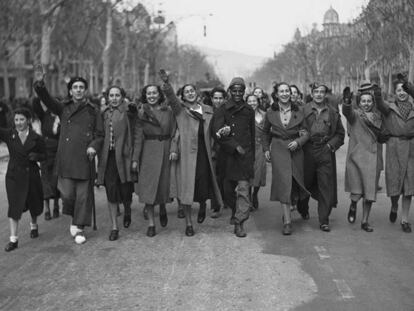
(347,95)
(403,78)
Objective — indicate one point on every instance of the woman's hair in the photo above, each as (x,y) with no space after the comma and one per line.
(184,86)
(276,89)
(219,89)
(106,93)
(297,89)
(258,88)
(144,93)
(250,95)
(23,111)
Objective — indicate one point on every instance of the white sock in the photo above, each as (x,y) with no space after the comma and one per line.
(33,226)
(13,238)
(74,229)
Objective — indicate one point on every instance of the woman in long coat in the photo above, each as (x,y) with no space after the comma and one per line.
(283,137)
(363,160)
(115,161)
(259,179)
(50,132)
(23,184)
(399,163)
(154,131)
(194,178)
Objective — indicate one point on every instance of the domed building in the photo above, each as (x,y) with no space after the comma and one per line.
(332,27)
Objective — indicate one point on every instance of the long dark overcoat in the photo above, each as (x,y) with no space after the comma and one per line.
(335,138)
(152,154)
(240,118)
(123,135)
(23,184)
(183,171)
(286,165)
(399,156)
(81,127)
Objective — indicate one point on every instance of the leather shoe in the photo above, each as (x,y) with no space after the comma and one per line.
(180,212)
(406,227)
(351,214)
(127,221)
(366,227)
(239,231)
(56,212)
(393,216)
(34,233)
(325,227)
(11,246)
(114,235)
(47,216)
(201,215)
(163,219)
(189,231)
(151,231)
(287,229)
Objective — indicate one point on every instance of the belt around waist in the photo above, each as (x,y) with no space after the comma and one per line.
(284,137)
(157,137)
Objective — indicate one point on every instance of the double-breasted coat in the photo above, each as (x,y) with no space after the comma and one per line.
(399,156)
(183,171)
(23,184)
(335,138)
(287,166)
(240,118)
(124,145)
(154,131)
(81,127)
(363,159)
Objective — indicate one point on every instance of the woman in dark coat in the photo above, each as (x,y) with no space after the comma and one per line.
(283,139)
(259,179)
(50,132)
(114,170)
(23,184)
(154,131)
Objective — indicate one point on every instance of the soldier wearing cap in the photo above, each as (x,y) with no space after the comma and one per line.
(327,133)
(80,139)
(234,130)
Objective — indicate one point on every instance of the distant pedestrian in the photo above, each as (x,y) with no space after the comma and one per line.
(283,136)
(115,159)
(23,184)
(80,139)
(323,122)
(234,129)
(399,163)
(363,162)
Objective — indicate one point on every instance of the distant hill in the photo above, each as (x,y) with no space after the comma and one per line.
(229,64)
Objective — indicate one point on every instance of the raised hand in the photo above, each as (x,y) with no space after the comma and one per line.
(38,72)
(164,76)
(347,95)
(402,77)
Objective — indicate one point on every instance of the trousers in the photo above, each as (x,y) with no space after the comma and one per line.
(236,196)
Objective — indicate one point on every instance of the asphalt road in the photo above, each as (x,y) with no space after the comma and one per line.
(346,269)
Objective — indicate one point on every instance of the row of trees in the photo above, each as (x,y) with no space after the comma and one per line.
(98,39)
(377,45)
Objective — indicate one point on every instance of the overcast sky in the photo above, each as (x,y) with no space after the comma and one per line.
(255,27)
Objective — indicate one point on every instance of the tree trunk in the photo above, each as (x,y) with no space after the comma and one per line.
(411,65)
(125,60)
(6,80)
(107,48)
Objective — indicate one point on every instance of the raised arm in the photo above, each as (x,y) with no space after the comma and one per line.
(379,102)
(172,99)
(347,109)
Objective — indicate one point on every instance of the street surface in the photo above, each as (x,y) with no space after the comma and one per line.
(346,269)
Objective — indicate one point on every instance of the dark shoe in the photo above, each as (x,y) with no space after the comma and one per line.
(232,220)
(189,231)
(239,231)
(47,216)
(34,233)
(201,215)
(56,213)
(180,213)
(287,229)
(163,220)
(406,227)
(113,236)
(127,221)
(145,213)
(151,231)
(325,228)
(393,216)
(352,214)
(11,246)
(255,201)
(366,227)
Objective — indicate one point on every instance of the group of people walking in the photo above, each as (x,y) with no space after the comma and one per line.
(172,146)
